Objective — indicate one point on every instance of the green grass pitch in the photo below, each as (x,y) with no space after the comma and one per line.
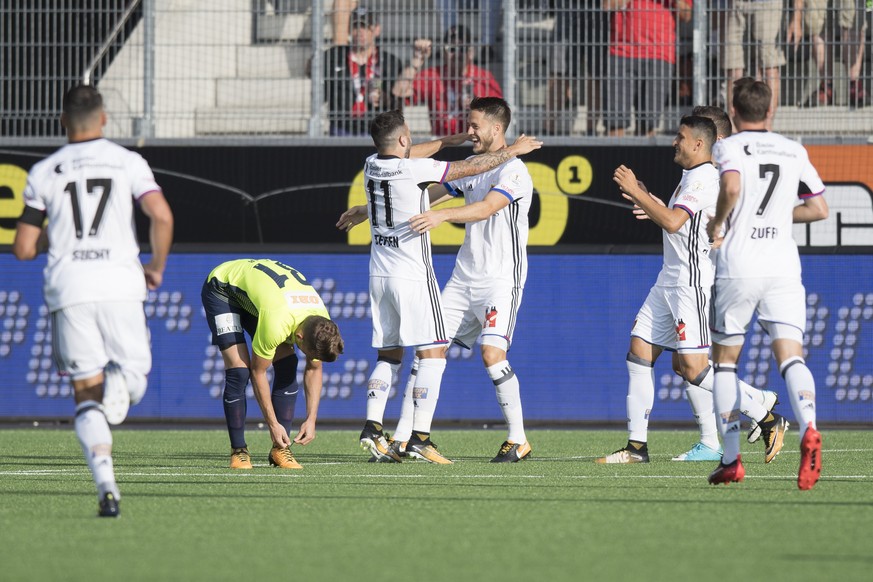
(559,516)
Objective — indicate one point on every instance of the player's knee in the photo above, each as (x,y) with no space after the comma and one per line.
(695,375)
(235,382)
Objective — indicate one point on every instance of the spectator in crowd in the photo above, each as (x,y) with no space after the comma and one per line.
(489,21)
(358,78)
(642,59)
(763,18)
(578,56)
(853,26)
(446,89)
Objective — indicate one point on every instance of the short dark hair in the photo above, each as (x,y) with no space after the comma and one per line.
(384,126)
(458,35)
(80,104)
(493,107)
(751,99)
(322,337)
(702,128)
(718,116)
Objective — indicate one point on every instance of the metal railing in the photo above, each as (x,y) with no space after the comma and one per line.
(254,69)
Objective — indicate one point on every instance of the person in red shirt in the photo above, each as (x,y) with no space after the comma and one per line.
(446,89)
(642,59)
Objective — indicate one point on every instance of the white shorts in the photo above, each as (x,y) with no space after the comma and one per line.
(674,318)
(490,312)
(775,300)
(406,313)
(87,336)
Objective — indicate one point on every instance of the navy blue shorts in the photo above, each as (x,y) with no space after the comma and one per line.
(226,318)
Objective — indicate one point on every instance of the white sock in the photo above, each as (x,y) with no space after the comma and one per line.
(752,402)
(726,394)
(751,399)
(703,409)
(407,409)
(96,440)
(801,391)
(426,392)
(640,399)
(509,398)
(379,387)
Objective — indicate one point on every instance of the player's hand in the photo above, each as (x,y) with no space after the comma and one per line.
(421,223)
(525,144)
(716,232)
(638,212)
(352,217)
(306,434)
(153,276)
(627,181)
(279,436)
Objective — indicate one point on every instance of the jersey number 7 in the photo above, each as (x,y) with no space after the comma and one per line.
(773,171)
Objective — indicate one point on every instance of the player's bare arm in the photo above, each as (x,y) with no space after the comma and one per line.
(813,208)
(312,383)
(438,193)
(429,148)
(728,195)
(352,217)
(261,388)
(25,247)
(484,162)
(493,203)
(155,207)
(670,219)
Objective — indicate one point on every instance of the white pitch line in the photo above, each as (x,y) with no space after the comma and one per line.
(297,475)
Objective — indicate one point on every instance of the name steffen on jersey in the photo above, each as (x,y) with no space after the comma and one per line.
(386,241)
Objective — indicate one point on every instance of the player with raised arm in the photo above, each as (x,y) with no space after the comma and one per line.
(483,295)
(404,295)
(758,270)
(275,304)
(700,396)
(673,316)
(95,285)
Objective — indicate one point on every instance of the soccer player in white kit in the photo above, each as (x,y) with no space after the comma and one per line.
(758,270)
(483,295)
(95,285)
(673,316)
(404,295)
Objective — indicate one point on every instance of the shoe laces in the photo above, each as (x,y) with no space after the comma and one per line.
(241,454)
(505,448)
(286,454)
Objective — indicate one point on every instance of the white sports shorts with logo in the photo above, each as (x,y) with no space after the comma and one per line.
(406,313)
(779,302)
(674,318)
(85,337)
(491,312)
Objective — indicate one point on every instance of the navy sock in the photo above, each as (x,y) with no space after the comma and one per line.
(284,394)
(235,381)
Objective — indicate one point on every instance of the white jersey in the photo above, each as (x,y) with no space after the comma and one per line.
(758,240)
(87,190)
(495,249)
(396,191)
(687,261)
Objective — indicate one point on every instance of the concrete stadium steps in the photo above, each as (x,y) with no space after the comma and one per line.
(272,61)
(251,121)
(289,120)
